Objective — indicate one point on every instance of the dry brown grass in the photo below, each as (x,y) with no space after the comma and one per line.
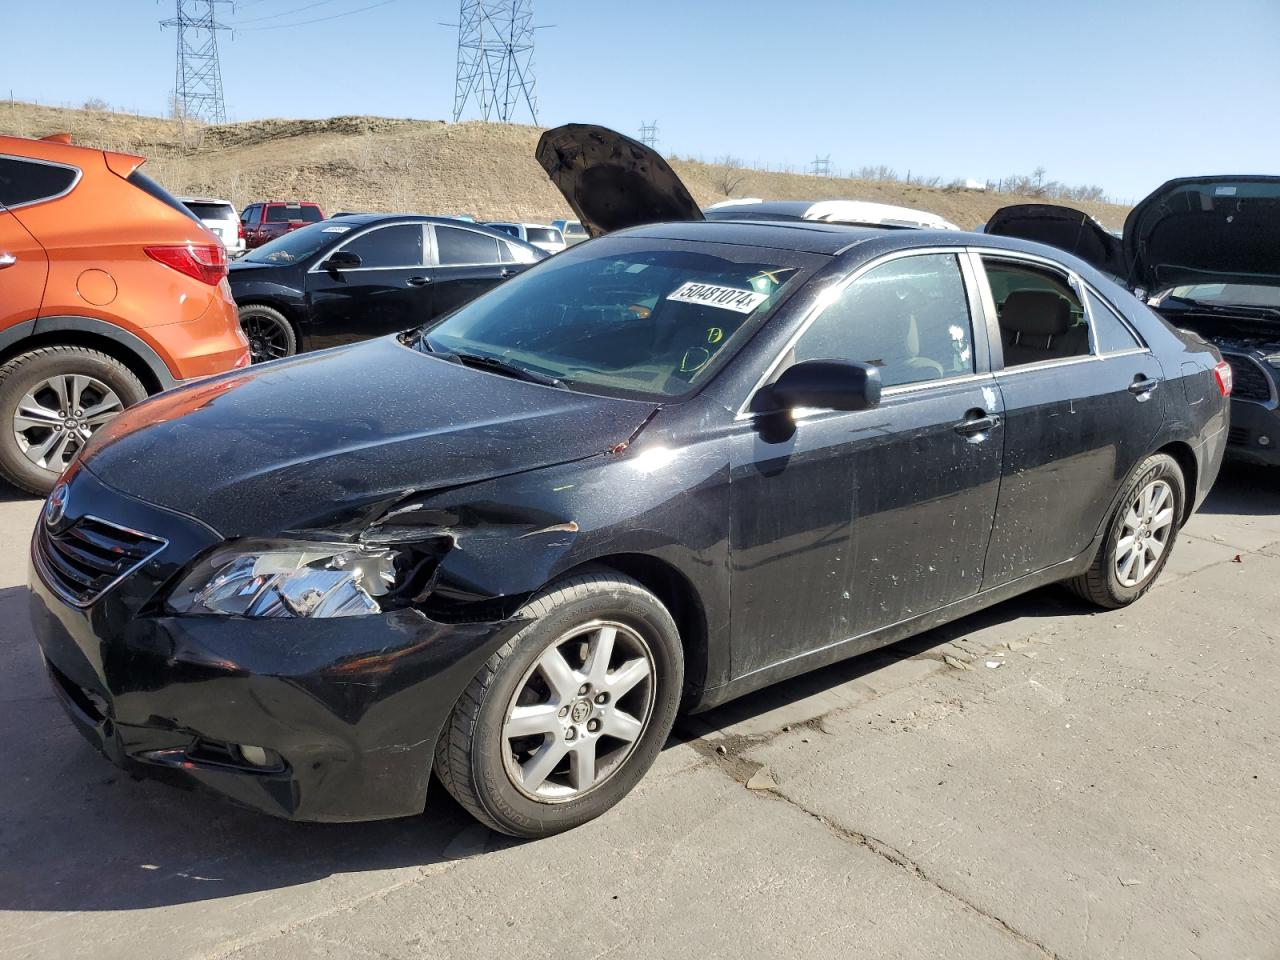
(428,166)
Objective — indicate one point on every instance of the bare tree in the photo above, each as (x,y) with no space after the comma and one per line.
(728,175)
(96,103)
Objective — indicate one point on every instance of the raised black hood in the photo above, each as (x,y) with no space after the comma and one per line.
(1065,228)
(1221,229)
(327,440)
(611,181)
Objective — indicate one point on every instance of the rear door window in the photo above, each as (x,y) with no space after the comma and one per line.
(399,245)
(26,181)
(457,247)
(908,317)
(1041,317)
(211,211)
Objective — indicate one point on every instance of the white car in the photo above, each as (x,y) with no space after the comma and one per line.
(573,230)
(859,212)
(540,235)
(219,216)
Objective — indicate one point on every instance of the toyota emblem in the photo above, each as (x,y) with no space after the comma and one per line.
(56,507)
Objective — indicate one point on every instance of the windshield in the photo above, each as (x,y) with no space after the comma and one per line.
(302,243)
(1230,294)
(210,211)
(575,229)
(622,318)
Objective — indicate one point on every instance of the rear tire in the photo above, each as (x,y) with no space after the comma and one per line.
(269,332)
(591,734)
(51,400)
(1140,536)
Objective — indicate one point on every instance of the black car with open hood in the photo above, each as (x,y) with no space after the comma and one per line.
(1065,228)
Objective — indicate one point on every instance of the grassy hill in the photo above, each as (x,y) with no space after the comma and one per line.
(428,166)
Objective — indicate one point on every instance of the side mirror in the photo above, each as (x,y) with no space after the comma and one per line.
(342,260)
(825,385)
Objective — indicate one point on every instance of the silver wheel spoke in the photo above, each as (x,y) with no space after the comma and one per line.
(1125,567)
(1131,520)
(562,678)
(1141,572)
(75,392)
(597,668)
(542,763)
(1154,549)
(1162,519)
(39,415)
(59,387)
(582,765)
(531,721)
(103,410)
(621,725)
(622,680)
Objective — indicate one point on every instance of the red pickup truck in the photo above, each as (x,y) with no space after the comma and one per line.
(274,218)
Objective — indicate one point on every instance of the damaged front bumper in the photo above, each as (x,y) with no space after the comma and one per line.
(340,715)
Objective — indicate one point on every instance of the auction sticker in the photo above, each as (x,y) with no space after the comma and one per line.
(712,295)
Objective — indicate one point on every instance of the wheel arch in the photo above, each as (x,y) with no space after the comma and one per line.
(119,344)
(681,599)
(1185,457)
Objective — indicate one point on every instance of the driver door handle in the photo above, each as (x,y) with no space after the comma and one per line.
(418,281)
(7,260)
(506,272)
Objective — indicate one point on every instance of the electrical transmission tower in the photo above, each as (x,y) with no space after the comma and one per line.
(822,166)
(495,59)
(197,90)
(649,134)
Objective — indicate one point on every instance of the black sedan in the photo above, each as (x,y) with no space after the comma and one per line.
(657,471)
(365,275)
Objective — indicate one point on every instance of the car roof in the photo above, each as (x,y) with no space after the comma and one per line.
(836,238)
(203,200)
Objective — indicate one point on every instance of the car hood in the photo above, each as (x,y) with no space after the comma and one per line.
(1220,229)
(1065,228)
(612,181)
(326,441)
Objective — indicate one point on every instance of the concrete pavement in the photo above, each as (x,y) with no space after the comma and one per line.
(1036,781)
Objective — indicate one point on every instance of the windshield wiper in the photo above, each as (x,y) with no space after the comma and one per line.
(499,365)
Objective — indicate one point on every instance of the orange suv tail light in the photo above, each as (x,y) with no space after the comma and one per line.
(206,262)
(1222,376)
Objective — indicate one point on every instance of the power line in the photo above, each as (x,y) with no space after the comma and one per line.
(822,166)
(282,13)
(197,88)
(649,134)
(495,59)
(304,23)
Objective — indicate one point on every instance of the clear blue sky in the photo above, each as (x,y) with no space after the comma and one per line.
(1122,93)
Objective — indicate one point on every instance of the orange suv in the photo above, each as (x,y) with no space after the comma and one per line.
(110,290)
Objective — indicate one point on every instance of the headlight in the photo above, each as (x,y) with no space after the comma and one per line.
(1273,360)
(287,580)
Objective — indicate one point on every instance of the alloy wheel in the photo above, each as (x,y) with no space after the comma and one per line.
(1145,536)
(579,711)
(56,416)
(266,340)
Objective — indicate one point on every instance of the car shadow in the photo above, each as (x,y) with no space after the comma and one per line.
(1244,489)
(79,834)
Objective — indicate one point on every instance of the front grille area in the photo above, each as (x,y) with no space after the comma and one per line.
(1249,380)
(1238,436)
(90,557)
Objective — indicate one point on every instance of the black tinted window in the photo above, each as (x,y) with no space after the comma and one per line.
(282,214)
(149,186)
(908,317)
(310,213)
(1108,329)
(395,246)
(465,246)
(211,211)
(22,181)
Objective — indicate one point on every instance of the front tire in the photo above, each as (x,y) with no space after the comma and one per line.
(269,332)
(1140,536)
(567,716)
(51,401)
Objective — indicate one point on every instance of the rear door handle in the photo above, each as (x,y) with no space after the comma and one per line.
(976,422)
(7,260)
(1142,385)
(505,272)
(418,281)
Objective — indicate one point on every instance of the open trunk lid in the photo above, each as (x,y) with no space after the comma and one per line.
(1065,228)
(1206,230)
(611,181)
